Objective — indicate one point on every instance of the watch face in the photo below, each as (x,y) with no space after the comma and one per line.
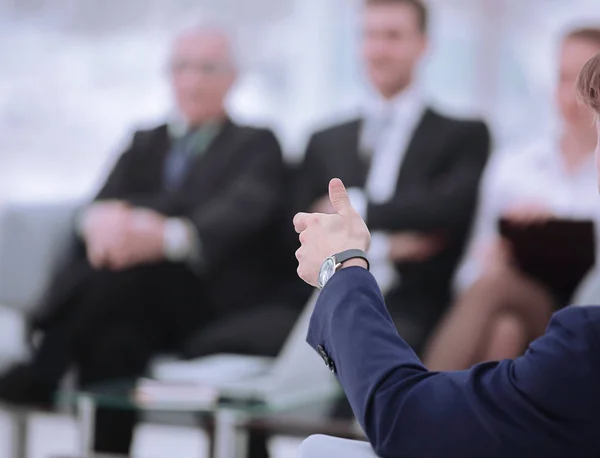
(327,271)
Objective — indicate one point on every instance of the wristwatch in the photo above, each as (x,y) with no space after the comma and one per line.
(333,263)
(176,240)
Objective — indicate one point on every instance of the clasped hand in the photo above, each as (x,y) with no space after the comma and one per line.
(119,237)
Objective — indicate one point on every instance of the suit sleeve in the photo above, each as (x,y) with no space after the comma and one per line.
(542,404)
(448,203)
(248,205)
(118,183)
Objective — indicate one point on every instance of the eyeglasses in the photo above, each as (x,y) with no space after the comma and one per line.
(207,68)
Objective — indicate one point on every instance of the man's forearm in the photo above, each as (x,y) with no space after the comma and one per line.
(493,410)
(392,394)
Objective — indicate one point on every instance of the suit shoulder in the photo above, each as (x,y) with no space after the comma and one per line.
(152,130)
(142,140)
(260,142)
(579,314)
(581,322)
(457,122)
(336,130)
(253,133)
(143,136)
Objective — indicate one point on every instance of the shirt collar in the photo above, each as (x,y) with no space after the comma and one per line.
(408,102)
(178,126)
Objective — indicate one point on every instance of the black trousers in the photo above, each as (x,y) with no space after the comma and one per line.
(112,328)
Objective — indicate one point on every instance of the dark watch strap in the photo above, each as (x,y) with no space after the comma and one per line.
(352,254)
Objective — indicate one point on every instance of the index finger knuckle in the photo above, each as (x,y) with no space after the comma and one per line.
(303,237)
(314,219)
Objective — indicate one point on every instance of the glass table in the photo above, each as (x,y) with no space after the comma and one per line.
(231,419)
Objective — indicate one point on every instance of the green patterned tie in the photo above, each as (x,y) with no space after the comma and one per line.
(201,139)
(185,149)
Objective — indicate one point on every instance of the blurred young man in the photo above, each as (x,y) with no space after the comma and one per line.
(174,253)
(413,173)
(500,309)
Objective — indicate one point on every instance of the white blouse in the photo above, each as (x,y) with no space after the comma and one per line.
(535,174)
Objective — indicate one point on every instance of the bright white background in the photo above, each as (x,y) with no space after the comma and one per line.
(78,75)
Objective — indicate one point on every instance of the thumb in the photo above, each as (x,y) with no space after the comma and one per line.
(339,198)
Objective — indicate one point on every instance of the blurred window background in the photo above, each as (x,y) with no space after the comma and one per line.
(77,76)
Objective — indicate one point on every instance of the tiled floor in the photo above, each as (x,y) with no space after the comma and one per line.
(53,435)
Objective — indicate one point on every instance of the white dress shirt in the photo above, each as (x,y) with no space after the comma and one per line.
(535,174)
(388,128)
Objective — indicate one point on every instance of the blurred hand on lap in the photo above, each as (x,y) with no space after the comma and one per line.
(120,237)
(139,242)
(100,225)
(529,213)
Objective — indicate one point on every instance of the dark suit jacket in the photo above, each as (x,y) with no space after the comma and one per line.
(232,194)
(436,191)
(543,404)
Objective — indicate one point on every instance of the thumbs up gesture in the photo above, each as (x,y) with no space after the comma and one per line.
(324,235)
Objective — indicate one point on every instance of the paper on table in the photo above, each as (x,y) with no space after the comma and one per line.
(191,395)
(212,370)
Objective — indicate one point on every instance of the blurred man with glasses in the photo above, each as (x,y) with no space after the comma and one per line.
(174,251)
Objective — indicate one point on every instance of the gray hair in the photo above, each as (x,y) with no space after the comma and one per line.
(217,27)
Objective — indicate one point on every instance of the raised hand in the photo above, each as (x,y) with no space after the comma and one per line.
(324,235)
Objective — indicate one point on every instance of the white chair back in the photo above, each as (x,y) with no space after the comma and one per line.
(588,291)
(320,446)
(297,363)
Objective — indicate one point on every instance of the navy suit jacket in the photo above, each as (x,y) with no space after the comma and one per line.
(543,404)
